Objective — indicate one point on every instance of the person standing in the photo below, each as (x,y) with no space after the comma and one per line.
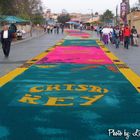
(135,38)
(51,29)
(133,30)
(57,29)
(6,39)
(100,33)
(48,29)
(62,28)
(81,27)
(105,35)
(13,29)
(45,27)
(117,37)
(127,34)
(121,35)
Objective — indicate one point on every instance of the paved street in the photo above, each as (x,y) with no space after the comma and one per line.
(22,52)
(130,57)
(76,90)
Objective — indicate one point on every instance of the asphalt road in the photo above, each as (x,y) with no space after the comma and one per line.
(26,50)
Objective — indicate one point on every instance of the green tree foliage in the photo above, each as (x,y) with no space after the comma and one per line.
(37,18)
(63,18)
(27,9)
(107,16)
(7,7)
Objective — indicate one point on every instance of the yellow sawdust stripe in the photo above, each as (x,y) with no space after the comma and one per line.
(123,68)
(13,74)
(7,78)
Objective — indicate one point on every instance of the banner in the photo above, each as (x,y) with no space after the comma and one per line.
(124,9)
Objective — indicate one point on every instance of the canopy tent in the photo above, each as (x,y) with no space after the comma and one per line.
(1,19)
(14,19)
(94,22)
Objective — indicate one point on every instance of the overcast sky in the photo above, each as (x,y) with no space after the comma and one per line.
(82,6)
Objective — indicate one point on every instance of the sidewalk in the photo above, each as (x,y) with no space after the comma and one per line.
(131,57)
(27,36)
(26,50)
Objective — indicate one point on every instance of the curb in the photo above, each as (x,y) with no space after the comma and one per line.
(21,69)
(30,38)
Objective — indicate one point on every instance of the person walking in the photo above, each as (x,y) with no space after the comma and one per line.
(81,27)
(57,29)
(51,29)
(100,33)
(45,27)
(48,29)
(133,30)
(62,28)
(117,37)
(122,35)
(13,29)
(6,39)
(105,35)
(135,38)
(127,34)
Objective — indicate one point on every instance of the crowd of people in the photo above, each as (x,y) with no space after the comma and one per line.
(54,29)
(119,35)
(116,35)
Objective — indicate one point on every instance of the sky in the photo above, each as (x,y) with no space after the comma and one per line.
(82,6)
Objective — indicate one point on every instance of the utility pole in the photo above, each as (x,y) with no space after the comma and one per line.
(92,17)
(117,15)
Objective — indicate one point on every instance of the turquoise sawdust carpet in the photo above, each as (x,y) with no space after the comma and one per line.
(81,42)
(49,102)
(75,92)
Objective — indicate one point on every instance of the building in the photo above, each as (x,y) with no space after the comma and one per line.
(84,18)
(51,18)
(133,19)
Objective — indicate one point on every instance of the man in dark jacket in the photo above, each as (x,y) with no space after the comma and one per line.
(6,38)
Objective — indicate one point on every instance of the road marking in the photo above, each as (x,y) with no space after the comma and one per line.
(11,75)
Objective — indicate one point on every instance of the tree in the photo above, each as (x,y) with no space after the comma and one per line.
(136,7)
(7,7)
(27,9)
(96,13)
(37,18)
(107,16)
(63,18)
